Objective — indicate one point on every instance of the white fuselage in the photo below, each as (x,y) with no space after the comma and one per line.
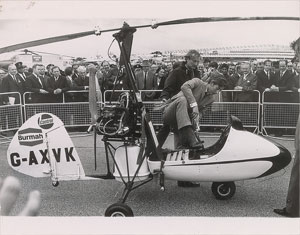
(244,156)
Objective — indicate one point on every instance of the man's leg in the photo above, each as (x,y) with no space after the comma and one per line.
(163,134)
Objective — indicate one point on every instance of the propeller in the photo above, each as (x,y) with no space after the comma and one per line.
(153,25)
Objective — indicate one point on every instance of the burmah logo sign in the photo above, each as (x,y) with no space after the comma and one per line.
(30,137)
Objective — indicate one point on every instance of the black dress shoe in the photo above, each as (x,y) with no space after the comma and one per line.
(282,212)
(187,184)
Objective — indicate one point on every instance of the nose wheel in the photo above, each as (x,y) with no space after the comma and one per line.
(118,210)
(223,190)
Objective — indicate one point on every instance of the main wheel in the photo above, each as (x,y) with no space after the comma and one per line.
(223,190)
(55,183)
(118,210)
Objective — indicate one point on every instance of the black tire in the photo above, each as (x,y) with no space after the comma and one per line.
(55,183)
(223,190)
(118,210)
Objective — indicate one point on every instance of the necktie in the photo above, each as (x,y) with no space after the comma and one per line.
(145,80)
(22,76)
(14,77)
(40,81)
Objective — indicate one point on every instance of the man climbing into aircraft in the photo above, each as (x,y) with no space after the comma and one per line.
(185,72)
(185,109)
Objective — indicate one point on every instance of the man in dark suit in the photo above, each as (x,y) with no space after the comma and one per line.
(296,84)
(244,88)
(21,74)
(283,81)
(246,83)
(3,74)
(81,83)
(265,78)
(35,83)
(292,200)
(146,80)
(56,86)
(11,83)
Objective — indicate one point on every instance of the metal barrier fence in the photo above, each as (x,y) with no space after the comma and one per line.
(215,116)
(74,110)
(279,115)
(11,116)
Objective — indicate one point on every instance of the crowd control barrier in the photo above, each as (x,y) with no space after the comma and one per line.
(279,114)
(216,115)
(73,109)
(11,117)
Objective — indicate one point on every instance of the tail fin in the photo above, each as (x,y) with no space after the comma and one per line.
(42,148)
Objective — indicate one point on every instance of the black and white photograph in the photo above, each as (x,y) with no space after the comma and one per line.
(178,117)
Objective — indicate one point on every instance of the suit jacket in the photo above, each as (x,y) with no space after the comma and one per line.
(146,83)
(52,85)
(284,83)
(177,110)
(296,81)
(61,83)
(22,79)
(176,79)
(10,85)
(248,85)
(264,81)
(33,85)
(292,199)
(295,87)
(79,84)
(195,91)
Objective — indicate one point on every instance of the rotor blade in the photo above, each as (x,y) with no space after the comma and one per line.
(45,41)
(155,25)
(218,19)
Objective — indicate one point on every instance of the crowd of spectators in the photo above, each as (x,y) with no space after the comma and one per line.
(50,82)
(47,84)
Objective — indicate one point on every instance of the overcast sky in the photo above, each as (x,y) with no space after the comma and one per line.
(22,21)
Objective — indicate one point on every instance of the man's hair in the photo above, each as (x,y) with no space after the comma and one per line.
(68,71)
(192,54)
(213,64)
(81,68)
(224,65)
(266,61)
(48,66)
(206,60)
(11,65)
(54,67)
(35,65)
(219,80)
(283,61)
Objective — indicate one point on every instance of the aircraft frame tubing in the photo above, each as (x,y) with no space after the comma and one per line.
(129,185)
